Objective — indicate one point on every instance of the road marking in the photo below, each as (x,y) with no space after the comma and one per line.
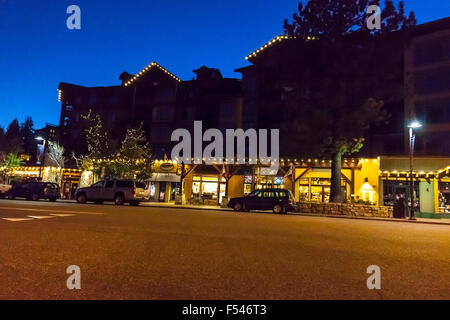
(62,215)
(50,210)
(17,219)
(41,217)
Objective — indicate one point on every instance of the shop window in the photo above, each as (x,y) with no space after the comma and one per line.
(318,189)
(444,197)
(208,189)
(392,190)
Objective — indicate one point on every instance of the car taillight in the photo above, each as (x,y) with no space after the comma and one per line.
(134,190)
(290,201)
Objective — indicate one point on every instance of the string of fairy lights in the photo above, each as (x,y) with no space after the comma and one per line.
(147,68)
(276,40)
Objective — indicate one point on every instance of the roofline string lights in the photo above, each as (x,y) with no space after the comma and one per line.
(59,95)
(150,66)
(275,40)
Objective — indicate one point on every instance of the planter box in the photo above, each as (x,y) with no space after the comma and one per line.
(346,209)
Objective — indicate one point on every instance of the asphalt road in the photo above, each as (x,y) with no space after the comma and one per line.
(161,253)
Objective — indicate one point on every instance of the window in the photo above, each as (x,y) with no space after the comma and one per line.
(98,184)
(281,193)
(109,184)
(165,94)
(161,133)
(141,185)
(113,100)
(226,110)
(124,184)
(163,113)
(437,111)
(256,193)
(432,51)
(68,108)
(92,99)
(429,82)
(188,114)
(249,85)
(250,110)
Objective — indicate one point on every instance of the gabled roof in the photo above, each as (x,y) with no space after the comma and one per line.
(152,65)
(276,40)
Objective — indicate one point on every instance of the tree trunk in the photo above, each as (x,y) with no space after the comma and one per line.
(335,192)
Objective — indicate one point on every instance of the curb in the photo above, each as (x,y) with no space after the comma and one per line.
(310,215)
(145,205)
(150,205)
(373,219)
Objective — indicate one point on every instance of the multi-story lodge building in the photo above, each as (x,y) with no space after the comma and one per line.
(155,97)
(427,86)
(164,102)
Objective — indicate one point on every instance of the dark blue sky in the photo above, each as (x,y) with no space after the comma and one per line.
(37,51)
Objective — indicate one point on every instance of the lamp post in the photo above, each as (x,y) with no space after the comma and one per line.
(43,155)
(413,125)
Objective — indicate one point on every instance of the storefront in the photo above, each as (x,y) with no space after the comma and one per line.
(444,197)
(318,189)
(67,179)
(358,183)
(164,182)
(431,178)
(208,190)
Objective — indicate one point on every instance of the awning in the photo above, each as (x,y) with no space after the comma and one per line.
(426,164)
(165,177)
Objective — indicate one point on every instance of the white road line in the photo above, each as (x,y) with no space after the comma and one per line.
(41,217)
(62,215)
(17,219)
(50,210)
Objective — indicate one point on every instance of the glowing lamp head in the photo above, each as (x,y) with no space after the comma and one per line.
(415,124)
(39,138)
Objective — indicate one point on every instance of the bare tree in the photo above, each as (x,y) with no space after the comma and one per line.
(55,158)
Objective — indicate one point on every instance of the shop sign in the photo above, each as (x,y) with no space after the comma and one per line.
(166,166)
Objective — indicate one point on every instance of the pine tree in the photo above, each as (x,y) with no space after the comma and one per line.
(346,75)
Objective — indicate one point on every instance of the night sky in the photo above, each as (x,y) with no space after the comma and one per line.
(37,51)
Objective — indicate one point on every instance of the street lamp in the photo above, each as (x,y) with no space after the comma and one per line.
(412,137)
(39,138)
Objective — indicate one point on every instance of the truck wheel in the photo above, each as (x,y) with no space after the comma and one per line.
(81,198)
(278,208)
(119,199)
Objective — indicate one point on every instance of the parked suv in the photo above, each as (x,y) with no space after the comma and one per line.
(4,188)
(278,200)
(34,191)
(119,191)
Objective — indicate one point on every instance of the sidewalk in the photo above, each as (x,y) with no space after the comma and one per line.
(186,206)
(216,208)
